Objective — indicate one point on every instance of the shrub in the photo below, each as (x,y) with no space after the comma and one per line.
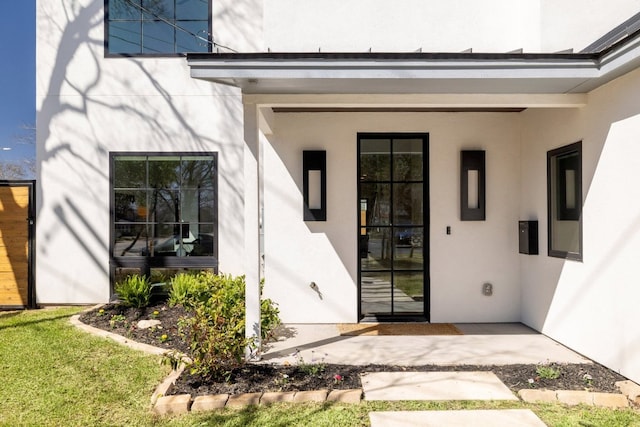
(269,317)
(134,291)
(188,289)
(216,330)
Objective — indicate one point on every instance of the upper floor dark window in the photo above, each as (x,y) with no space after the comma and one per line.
(157,27)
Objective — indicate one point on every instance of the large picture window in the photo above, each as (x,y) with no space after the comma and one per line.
(157,27)
(564,192)
(164,210)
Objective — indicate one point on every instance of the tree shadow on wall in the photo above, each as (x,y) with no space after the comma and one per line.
(87,105)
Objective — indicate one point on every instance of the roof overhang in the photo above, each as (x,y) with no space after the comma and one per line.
(512,80)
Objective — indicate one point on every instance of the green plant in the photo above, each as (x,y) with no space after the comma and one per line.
(269,317)
(216,331)
(117,318)
(172,358)
(157,277)
(314,368)
(547,372)
(188,290)
(282,380)
(134,291)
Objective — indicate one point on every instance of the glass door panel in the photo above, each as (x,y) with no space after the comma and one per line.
(376,293)
(376,248)
(392,226)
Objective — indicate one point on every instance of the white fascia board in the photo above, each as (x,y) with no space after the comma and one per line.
(433,69)
(615,63)
(472,100)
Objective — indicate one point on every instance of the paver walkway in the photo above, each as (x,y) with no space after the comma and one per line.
(434,386)
(443,386)
(475,418)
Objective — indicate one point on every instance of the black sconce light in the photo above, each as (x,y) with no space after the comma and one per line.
(472,186)
(314,183)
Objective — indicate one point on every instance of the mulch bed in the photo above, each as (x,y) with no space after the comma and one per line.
(297,377)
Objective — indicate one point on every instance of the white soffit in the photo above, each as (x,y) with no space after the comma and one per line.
(476,79)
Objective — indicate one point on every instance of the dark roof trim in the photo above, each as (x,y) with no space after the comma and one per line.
(397,109)
(629,29)
(390,56)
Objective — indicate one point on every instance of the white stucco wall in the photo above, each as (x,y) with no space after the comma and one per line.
(298,253)
(440,26)
(590,306)
(88,106)
(401,25)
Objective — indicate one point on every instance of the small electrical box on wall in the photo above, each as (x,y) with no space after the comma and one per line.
(528,234)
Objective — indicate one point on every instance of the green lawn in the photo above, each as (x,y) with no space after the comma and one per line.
(55,375)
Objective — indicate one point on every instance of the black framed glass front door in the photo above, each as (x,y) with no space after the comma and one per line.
(393,226)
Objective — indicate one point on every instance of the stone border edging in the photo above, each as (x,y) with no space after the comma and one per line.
(182,403)
(579,397)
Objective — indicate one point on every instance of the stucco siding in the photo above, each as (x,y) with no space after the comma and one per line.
(589,306)
(298,253)
(89,106)
(401,26)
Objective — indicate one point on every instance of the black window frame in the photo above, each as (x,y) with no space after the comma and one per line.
(145,263)
(562,212)
(109,54)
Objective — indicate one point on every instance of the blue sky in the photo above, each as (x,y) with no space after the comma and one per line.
(17,76)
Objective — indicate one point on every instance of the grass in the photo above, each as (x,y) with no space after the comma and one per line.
(55,375)
(330,415)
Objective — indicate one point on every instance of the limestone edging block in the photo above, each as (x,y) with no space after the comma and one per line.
(311,396)
(166,384)
(244,399)
(167,405)
(209,402)
(575,397)
(629,388)
(345,396)
(610,400)
(537,396)
(276,397)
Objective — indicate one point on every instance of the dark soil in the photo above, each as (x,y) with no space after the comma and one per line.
(257,377)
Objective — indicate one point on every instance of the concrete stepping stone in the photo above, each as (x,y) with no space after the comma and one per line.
(475,418)
(434,386)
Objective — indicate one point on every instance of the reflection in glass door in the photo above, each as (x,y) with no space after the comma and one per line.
(393,226)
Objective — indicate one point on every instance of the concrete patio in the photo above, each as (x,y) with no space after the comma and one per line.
(480,344)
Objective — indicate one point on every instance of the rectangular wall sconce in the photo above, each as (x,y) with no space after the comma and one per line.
(472,185)
(314,184)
